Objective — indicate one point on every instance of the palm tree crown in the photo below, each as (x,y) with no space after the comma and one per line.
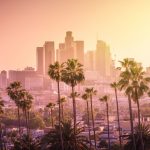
(73,72)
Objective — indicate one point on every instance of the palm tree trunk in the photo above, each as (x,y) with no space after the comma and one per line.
(60,128)
(93,122)
(19,120)
(26,118)
(108,125)
(139,121)
(62,111)
(74,115)
(120,141)
(52,118)
(89,123)
(131,122)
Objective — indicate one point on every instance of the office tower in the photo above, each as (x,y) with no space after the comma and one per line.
(22,75)
(89,60)
(49,55)
(79,51)
(40,60)
(103,60)
(69,46)
(61,53)
(70,49)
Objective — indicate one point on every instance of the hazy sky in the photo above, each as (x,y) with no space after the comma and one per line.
(26,24)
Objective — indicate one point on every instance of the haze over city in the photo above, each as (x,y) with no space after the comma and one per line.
(27,24)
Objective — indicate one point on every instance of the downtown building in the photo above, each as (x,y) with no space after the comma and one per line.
(70,49)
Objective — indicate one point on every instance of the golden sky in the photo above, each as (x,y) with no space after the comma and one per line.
(26,24)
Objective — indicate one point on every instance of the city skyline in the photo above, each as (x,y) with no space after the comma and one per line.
(25,25)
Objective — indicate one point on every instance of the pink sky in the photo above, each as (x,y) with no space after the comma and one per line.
(26,24)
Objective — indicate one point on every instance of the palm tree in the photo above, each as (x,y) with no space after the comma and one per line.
(145,129)
(25,104)
(105,99)
(14,92)
(125,84)
(90,92)
(73,74)
(85,97)
(139,88)
(55,72)
(1,105)
(62,101)
(51,139)
(51,107)
(114,85)
(26,143)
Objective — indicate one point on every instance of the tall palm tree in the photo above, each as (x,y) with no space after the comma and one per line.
(90,92)
(62,101)
(73,74)
(51,139)
(114,85)
(85,97)
(51,107)
(125,84)
(14,92)
(105,99)
(55,73)
(25,104)
(139,87)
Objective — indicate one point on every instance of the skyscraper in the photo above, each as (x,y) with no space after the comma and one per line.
(49,55)
(89,60)
(103,60)
(70,49)
(40,60)
(79,51)
(69,45)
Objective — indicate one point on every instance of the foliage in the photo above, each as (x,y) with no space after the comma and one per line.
(145,129)
(26,143)
(51,141)
(72,74)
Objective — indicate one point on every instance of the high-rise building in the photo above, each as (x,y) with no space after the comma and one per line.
(40,60)
(103,60)
(79,51)
(89,60)
(49,55)
(69,45)
(70,49)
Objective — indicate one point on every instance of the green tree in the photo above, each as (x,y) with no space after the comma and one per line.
(90,92)
(86,97)
(73,74)
(55,72)
(114,85)
(51,106)
(51,140)
(105,99)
